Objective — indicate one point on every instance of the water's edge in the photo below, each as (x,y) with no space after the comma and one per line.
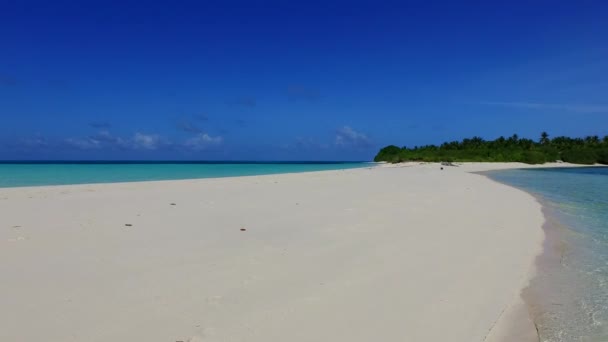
(546,288)
(520,318)
(538,294)
(15,175)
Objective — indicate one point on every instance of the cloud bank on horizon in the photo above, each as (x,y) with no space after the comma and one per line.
(293,80)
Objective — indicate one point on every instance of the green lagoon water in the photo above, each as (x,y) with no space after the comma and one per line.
(573,293)
(61,173)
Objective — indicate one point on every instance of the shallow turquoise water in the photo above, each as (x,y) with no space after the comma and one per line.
(575,307)
(36,174)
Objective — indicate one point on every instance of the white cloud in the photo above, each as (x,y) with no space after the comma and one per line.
(97,141)
(202,141)
(87,143)
(141,141)
(105,139)
(147,141)
(565,107)
(108,139)
(33,142)
(348,137)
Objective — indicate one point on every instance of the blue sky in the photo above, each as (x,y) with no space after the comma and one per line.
(289,80)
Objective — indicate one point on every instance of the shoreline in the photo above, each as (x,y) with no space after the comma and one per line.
(169,181)
(356,244)
(549,285)
(478,167)
(517,322)
(538,292)
(552,285)
(97,173)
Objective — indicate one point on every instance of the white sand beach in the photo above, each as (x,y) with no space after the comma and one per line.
(392,253)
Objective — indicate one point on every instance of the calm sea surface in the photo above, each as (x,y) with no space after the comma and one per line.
(572,292)
(36,174)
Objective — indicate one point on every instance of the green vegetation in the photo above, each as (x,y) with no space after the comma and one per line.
(589,150)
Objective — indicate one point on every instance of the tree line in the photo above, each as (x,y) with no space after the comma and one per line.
(588,150)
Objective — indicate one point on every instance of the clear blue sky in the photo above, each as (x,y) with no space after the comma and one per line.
(291,80)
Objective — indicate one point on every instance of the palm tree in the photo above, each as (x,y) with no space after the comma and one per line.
(477,142)
(592,140)
(512,140)
(544,138)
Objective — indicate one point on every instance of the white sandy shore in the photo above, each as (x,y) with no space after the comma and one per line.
(393,253)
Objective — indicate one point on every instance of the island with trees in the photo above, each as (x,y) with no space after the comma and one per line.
(588,150)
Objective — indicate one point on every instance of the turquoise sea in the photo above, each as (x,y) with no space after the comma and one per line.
(569,295)
(60,173)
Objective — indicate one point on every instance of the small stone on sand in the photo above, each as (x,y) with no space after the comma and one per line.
(128,225)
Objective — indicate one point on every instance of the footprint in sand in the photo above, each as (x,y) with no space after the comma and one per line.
(192,339)
(19,238)
(214,300)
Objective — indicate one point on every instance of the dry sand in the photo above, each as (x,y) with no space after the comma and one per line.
(402,253)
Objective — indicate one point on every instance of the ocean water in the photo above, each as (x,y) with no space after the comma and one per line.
(569,295)
(60,173)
